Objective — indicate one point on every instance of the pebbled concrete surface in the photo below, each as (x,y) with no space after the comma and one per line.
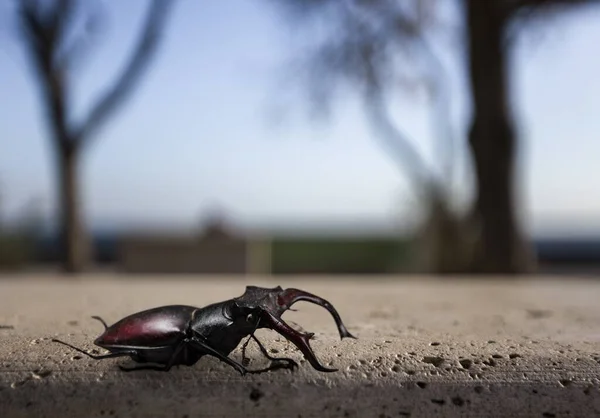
(426,347)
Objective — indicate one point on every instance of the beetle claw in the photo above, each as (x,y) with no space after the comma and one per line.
(288,297)
(274,302)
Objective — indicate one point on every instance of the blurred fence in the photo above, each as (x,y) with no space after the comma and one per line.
(268,255)
(230,255)
(171,255)
(16,251)
(338,256)
(261,256)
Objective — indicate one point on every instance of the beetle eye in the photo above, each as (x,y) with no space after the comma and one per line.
(250,318)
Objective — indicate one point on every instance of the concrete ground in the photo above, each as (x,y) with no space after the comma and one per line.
(425,347)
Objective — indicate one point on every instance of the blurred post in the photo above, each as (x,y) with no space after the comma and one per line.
(259,256)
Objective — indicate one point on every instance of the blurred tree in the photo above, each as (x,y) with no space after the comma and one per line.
(371,43)
(53,42)
(492,137)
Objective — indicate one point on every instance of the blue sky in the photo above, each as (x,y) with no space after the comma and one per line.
(201,132)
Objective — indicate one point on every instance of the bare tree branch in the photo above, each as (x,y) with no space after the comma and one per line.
(373,45)
(72,51)
(116,95)
(42,32)
(513,6)
(396,142)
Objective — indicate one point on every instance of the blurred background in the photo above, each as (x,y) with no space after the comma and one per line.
(300,136)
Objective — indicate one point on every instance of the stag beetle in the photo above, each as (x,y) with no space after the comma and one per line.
(180,335)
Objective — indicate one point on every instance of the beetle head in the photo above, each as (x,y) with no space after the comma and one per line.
(270,304)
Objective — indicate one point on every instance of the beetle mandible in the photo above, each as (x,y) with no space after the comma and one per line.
(180,335)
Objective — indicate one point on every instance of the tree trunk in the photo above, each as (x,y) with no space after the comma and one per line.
(502,249)
(74,243)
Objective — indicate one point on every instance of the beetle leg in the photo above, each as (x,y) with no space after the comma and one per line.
(244,362)
(162,368)
(203,346)
(101,320)
(99,357)
(247,342)
(291,364)
(144,367)
(272,367)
